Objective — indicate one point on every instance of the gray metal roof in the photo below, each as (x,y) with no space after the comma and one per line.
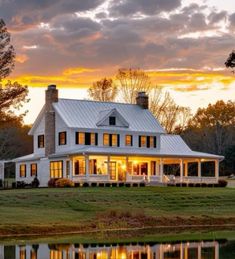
(86,114)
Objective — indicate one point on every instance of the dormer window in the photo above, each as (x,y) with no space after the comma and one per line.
(112,121)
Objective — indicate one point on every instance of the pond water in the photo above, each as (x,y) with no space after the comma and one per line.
(57,249)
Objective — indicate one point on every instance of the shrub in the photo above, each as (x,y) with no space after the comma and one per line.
(64,182)
(114,184)
(107,184)
(1,183)
(204,185)
(222,183)
(13,185)
(184,184)
(20,184)
(128,185)
(178,185)
(85,185)
(210,185)
(135,185)
(101,184)
(197,185)
(51,182)
(121,184)
(191,185)
(93,184)
(35,183)
(77,185)
(142,184)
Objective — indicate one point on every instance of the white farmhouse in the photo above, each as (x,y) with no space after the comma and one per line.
(90,141)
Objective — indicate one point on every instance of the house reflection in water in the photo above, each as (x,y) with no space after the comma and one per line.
(192,250)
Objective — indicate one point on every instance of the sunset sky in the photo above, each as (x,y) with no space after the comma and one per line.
(181,44)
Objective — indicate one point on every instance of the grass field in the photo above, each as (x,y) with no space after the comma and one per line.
(83,209)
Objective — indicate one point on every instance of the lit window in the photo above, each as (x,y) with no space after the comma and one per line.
(41,141)
(143,141)
(93,138)
(56,169)
(114,140)
(54,254)
(106,139)
(151,141)
(112,121)
(80,138)
(128,140)
(62,138)
(23,170)
(33,169)
(79,167)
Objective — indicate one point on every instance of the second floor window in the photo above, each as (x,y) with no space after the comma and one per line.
(128,140)
(87,138)
(148,141)
(112,121)
(62,138)
(111,140)
(142,141)
(40,141)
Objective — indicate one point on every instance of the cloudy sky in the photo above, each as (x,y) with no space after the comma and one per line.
(182,44)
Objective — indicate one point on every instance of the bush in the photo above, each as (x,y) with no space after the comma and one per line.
(64,182)
(85,185)
(184,184)
(222,183)
(191,185)
(114,184)
(142,184)
(107,184)
(135,185)
(101,184)
(51,182)
(121,184)
(204,185)
(1,183)
(35,183)
(197,185)
(128,185)
(93,184)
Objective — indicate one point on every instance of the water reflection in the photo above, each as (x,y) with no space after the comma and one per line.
(186,250)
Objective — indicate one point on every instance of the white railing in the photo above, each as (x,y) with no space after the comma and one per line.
(195,179)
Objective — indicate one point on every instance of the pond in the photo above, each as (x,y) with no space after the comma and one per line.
(152,247)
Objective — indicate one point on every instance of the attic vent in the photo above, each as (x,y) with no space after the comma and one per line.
(112,121)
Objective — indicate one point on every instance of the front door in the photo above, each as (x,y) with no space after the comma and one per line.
(121,173)
(112,171)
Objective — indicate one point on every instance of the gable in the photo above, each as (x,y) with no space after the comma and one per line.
(104,118)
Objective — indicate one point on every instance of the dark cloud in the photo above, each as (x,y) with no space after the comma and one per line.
(149,7)
(216,17)
(232,20)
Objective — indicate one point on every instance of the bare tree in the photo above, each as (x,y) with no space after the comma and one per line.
(132,81)
(7,53)
(103,90)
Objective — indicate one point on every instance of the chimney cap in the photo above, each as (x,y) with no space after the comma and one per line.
(51,87)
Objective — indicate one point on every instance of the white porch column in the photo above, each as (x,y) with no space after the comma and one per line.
(199,169)
(161,170)
(216,250)
(108,167)
(181,170)
(186,169)
(217,170)
(87,165)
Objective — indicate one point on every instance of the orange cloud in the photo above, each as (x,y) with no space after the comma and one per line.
(21,58)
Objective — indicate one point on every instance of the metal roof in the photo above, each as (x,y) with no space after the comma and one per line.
(86,114)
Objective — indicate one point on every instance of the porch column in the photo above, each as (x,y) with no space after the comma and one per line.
(199,169)
(108,167)
(181,170)
(217,170)
(161,170)
(216,250)
(87,165)
(186,169)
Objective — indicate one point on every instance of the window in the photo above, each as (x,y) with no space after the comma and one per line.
(86,138)
(40,141)
(23,170)
(111,140)
(106,139)
(33,169)
(79,167)
(62,138)
(56,169)
(112,121)
(128,140)
(142,141)
(153,167)
(93,166)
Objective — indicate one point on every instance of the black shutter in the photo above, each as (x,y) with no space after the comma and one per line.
(38,141)
(96,139)
(118,140)
(87,138)
(65,137)
(148,141)
(139,141)
(131,140)
(110,140)
(76,137)
(155,142)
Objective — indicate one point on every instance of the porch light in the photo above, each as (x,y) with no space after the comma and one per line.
(123,167)
(135,162)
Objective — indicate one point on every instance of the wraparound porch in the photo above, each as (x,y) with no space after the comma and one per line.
(136,169)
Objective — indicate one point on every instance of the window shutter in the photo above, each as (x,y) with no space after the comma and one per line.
(96,139)
(110,140)
(131,140)
(155,141)
(148,141)
(118,140)
(87,138)
(139,141)
(76,138)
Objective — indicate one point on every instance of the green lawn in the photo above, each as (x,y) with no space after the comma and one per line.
(24,210)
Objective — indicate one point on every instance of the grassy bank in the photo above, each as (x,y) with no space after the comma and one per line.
(48,211)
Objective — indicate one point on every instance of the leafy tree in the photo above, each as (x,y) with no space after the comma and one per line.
(230,62)
(7,52)
(103,90)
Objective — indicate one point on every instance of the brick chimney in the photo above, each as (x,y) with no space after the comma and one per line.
(142,100)
(51,97)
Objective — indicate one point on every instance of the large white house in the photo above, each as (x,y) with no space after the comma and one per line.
(91,141)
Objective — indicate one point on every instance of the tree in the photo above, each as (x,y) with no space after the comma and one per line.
(132,81)
(7,52)
(161,104)
(230,62)
(103,90)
